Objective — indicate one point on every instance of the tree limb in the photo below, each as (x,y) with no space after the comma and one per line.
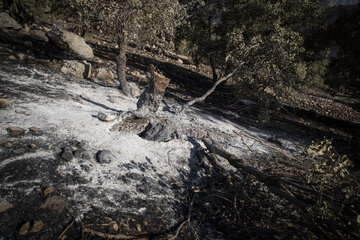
(211,90)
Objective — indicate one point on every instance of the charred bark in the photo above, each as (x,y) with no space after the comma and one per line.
(121,63)
(144,115)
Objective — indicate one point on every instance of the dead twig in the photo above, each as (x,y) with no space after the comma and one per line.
(187,220)
(111,236)
(65,230)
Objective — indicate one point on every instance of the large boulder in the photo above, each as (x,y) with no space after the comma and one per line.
(7,22)
(103,73)
(70,42)
(77,69)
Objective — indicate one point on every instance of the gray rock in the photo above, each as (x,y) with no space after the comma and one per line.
(35,131)
(70,42)
(135,90)
(15,131)
(104,156)
(38,34)
(19,151)
(104,73)
(134,176)
(82,145)
(105,117)
(7,22)
(67,154)
(77,69)
(78,154)
(32,146)
(87,156)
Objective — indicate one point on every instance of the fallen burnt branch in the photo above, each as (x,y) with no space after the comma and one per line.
(111,236)
(274,183)
(300,194)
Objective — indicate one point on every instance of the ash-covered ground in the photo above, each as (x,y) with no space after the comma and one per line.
(141,189)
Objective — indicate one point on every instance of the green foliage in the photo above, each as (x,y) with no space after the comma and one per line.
(146,22)
(25,11)
(267,37)
(338,187)
(316,72)
(201,31)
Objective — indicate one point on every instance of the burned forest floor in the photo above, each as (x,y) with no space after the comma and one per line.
(64,174)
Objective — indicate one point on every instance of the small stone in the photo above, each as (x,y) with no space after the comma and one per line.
(21,56)
(28,43)
(35,131)
(82,145)
(15,131)
(32,146)
(8,145)
(135,90)
(134,176)
(87,156)
(104,156)
(105,117)
(12,57)
(5,206)
(37,226)
(78,154)
(19,151)
(67,154)
(49,190)
(138,227)
(24,228)
(115,226)
(4,103)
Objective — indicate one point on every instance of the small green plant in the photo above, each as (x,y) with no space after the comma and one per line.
(337,201)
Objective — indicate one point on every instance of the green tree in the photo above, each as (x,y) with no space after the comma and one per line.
(265,37)
(131,20)
(201,31)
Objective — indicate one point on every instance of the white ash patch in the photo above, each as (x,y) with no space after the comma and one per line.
(142,172)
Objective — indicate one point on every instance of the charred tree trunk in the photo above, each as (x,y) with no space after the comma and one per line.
(213,69)
(151,98)
(121,63)
(143,121)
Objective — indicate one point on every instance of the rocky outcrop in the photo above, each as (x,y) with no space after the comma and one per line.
(70,42)
(103,73)
(7,22)
(39,35)
(77,69)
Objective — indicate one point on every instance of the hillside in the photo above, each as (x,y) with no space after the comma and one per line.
(67,173)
